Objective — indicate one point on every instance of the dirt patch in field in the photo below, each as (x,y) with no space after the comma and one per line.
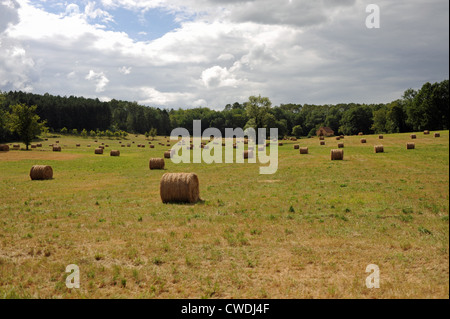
(13,156)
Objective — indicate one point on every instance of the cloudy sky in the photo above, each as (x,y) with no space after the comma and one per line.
(189,53)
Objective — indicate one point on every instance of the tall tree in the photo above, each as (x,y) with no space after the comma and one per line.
(25,122)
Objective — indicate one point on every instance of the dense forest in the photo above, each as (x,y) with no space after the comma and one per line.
(426,108)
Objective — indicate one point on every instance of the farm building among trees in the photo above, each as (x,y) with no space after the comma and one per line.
(325,131)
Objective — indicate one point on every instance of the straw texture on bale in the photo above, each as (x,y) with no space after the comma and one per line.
(303,150)
(379,148)
(179,187)
(4,148)
(363,141)
(114,153)
(413,136)
(56,148)
(410,146)
(437,135)
(99,151)
(341,145)
(296,147)
(41,172)
(337,155)
(248,154)
(156,163)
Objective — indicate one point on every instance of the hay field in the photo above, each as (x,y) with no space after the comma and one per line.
(308,231)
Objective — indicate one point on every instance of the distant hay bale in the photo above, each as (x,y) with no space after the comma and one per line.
(426,132)
(179,187)
(341,145)
(98,151)
(33,145)
(168,154)
(293,139)
(41,172)
(156,163)
(56,148)
(142,146)
(114,153)
(304,150)
(57,142)
(280,144)
(322,142)
(338,138)
(296,147)
(39,144)
(378,148)
(337,155)
(363,141)
(321,138)
(102,147)
(152,146)
(342,137)
(18,145)
(360,133)
(437,134)
(380,137)
(410,146)
(413,136)
(106,145)
(4,148)
(128,145)
(167,144)
(248,154)
(89,145)
(78,145)
(122,145)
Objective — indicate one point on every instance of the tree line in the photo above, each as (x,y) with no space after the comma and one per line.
(426,108)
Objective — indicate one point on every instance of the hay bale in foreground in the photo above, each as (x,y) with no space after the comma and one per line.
(179,187)
(156,163)
(378,148)
(337,155)
(56,148)
(4,148)
(304,150)
(98,151)
(114,153)
(410,146)
(296,147)
(248,154)
(41,172)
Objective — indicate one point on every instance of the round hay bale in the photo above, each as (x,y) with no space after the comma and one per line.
(248,154)
(426,132)
(179,187)
(142,146)
(168,145)
(98,151)
(122,145)
(4,148)
(41,172)
(57,142)
(152,146)
(102,147)
(413,136)
(106,145)
(280,144)
(337,155)
(156,163)
(296,147)
(39,144)
(304,150)
(378,148)
(360,133)
(167,154)
(322,142)
(56,148)
(341,145)
(114,153)
(338,138)
(78,145)
(128,145)
(437,134)
(410,146)
(363,141)
(321,138)
(18,145)
(380,137)
(89,145)
(33,145)
(342,137)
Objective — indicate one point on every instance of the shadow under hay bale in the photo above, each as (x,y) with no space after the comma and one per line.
(337,155)
(378,148)
(41,172)
(179,187)
(410,146)
(114,153)
(156,163)
(304,150)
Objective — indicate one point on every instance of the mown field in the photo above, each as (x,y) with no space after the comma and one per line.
(308,231)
